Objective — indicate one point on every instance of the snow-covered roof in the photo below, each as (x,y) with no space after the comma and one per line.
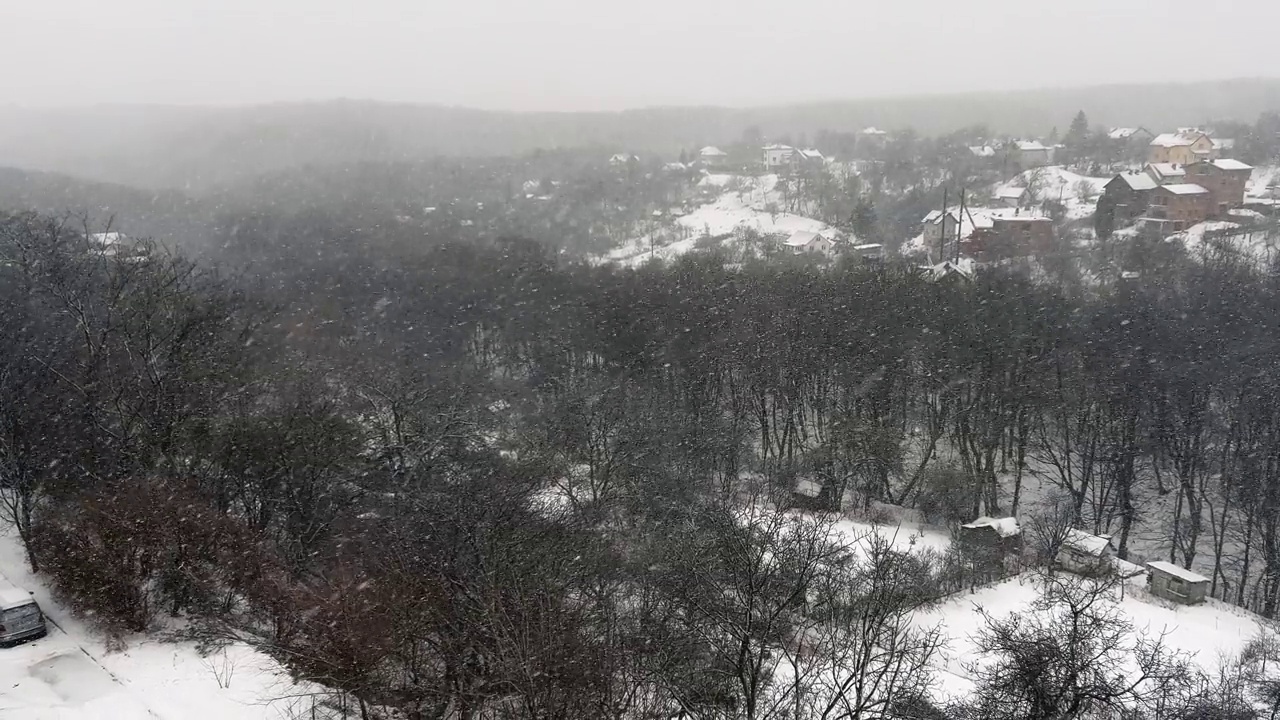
(1229,164)
(982,150)
(622,158)
(1164,170)
(873,130)
(1137,181)
(775,146)
(1185,189)
(1080,540)
(1123,133)
(1223,143)
(675,166)
(801,238)
(811,153)
(1004,527)
(108,238)
(712,151)
(1126,569)
(1029,145)
(1011,193)
(868,246)
(1176,571)
(963,268)
(1183,138)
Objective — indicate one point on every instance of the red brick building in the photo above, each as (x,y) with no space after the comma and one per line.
(1224,179)
(1180,206)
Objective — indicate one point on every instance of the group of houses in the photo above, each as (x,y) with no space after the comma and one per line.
(1185,181)
(986,233)
(1018,154)
(991,547)
(778,158)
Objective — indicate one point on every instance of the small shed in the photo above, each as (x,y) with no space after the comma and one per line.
(1085,554)
(1171,582)
(992,545)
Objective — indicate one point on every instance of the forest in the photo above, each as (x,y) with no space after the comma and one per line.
(480,480)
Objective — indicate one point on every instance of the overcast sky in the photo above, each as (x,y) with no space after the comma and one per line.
(608,54)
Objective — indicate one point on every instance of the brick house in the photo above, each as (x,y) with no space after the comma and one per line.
(1224,179)
(1129,194)
(1178,207)
(1010,236)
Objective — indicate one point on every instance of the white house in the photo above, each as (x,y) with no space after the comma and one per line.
(777,157)
(805,241)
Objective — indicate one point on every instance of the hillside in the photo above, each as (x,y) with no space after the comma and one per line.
(196,147)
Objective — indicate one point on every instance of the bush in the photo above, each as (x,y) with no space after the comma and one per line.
(128,551)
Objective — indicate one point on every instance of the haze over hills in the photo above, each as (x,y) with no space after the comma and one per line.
(196,148)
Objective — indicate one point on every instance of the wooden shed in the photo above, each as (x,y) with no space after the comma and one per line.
(1175,583)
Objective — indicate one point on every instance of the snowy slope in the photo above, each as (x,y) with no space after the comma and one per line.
(1079,193)
(747,206)
(72,675)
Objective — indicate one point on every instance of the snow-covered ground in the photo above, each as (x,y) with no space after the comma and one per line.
(71,674)
(744,202)
(1079,193)
(1209,633)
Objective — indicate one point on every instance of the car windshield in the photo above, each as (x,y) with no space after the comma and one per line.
(21,613)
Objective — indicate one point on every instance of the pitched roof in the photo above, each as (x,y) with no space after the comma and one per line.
(1004,527)
(811,153)
(776,146)
(1030,145)
(712,151)
(1176,139)
(982,150)
(1124,133)
(1223,143)
(873,130)
(1080,540)
(1176,571)
(801,238)
(1185,189)
(1136,181)
(1011,192)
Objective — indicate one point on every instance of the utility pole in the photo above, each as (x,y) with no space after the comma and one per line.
(942,229)
(959,224)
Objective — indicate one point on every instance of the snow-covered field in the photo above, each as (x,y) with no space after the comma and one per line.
(745,202)
(71,674)
(1208,633)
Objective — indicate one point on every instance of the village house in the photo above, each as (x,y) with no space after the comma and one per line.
(1224,179)
(1181,148)
(982,151)
(1177,207)
(1171,582)
(1011,196)
(777,157)
(713,157)
(809,157)
(938,225)
(1085,554)
(1129,194)
(805,241)
(1027,154)
(991,546)
(1131,133)
(622,159)
(869,252)
(1166,173)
